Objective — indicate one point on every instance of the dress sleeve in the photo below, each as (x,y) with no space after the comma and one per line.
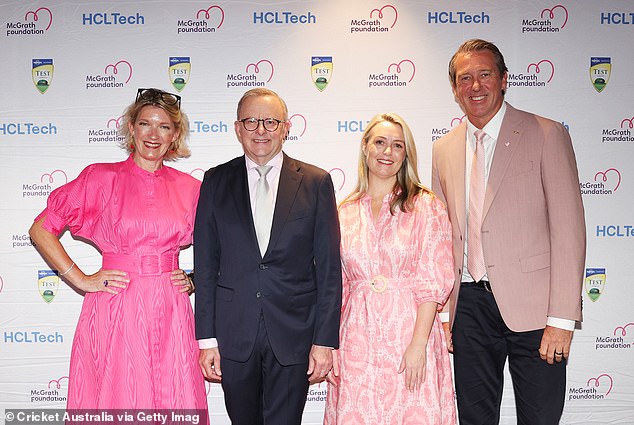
(436,260)
(68,204)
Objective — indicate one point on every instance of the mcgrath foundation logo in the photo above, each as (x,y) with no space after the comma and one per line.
(594,282)
(399,74)
(42,73)
(56,391)
(596,388)
(381,19)
(256,74)
(622,133)
(115,75)
(47,284)
(438,132)
(316,393)
(321,71)
(47,183)
(600,70)
(297,128)
(538,74)
(107,134)
(36,22)
(622,338)
(207,21)
(549,20)
(179,70)
(338,177)
(605,183)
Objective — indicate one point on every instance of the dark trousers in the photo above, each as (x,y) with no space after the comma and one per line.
(482,343)
(261,391)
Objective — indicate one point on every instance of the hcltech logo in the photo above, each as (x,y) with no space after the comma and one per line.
(26,129)
(207,21)
(614,231)
(351,126)
(616,18)
(380,20)
(538,74)
(457,17)
(179,70)
(550,20)
(32,337)
(283,18)
(594,282)
(112,18)
(36,22)
(256,74)
(600,70)
(321,71)
(42,73)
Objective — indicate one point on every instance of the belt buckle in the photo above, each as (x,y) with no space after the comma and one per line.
(378,283)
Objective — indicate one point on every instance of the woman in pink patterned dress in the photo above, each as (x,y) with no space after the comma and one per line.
(134,345)
(392,365)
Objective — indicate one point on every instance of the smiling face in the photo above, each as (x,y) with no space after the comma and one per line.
(153,133)
(384,151)
(261,145)
(478,86)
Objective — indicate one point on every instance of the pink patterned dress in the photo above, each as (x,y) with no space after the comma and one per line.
(135,349)
(390,267)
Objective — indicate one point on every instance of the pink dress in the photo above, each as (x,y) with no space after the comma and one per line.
(135,349)
(390,267)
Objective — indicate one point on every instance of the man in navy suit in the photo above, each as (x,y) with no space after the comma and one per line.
(267,301)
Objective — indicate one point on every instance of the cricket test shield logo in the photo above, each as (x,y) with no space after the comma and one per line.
(321,71)
(600,69)
(179,70)
(594,282)
(47,284)
(42,73)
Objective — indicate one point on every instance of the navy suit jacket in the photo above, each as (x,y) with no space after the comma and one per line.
(296,286)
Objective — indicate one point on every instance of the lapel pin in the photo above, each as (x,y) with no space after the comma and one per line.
(507,144)
(516,132)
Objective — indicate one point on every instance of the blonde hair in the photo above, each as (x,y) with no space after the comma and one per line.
(179,148)
(407,185)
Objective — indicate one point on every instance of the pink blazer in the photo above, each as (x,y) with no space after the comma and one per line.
(533,230)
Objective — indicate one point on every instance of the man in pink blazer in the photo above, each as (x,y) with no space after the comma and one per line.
(528,233)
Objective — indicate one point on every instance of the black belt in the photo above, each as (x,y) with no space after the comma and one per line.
(482,284)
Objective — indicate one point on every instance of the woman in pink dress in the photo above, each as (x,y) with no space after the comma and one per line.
(134,346)
(392,366)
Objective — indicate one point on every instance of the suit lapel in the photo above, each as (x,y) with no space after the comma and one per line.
(508,140)
(458,158)
(290,180)
(242,200)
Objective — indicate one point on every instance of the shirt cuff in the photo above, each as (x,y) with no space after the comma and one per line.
(207,343)
(556,322)
(444,316)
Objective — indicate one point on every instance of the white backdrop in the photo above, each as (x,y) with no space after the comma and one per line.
(72,67)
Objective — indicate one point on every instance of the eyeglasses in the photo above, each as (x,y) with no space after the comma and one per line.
(153,95)
(252,124)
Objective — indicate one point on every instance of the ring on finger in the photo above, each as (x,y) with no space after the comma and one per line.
(105,283)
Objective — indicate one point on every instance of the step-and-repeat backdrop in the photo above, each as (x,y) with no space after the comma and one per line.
(72,67)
